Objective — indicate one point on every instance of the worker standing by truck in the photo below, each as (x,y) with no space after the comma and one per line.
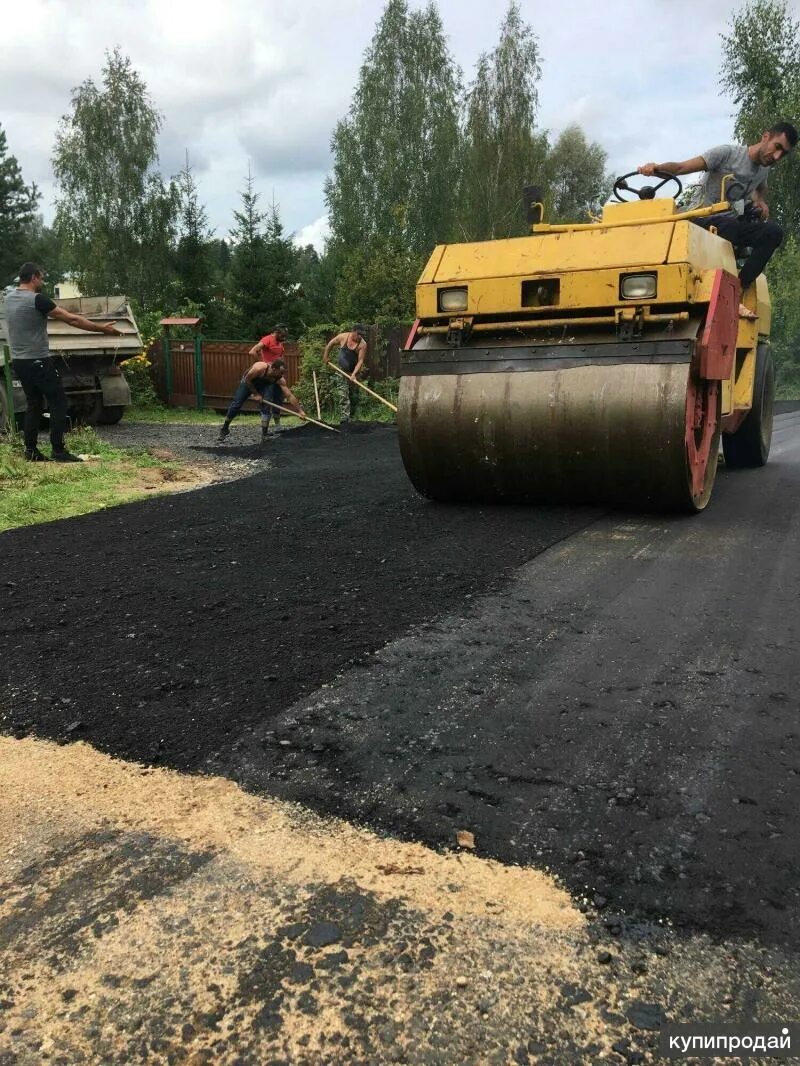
(747,223)
(352,351)
(27,310)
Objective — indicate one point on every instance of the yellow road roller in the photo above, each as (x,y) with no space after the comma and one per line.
(595,362)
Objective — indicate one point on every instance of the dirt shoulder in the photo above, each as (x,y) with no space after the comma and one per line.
(151,916)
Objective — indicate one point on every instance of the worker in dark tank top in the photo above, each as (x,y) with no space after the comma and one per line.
(352,351)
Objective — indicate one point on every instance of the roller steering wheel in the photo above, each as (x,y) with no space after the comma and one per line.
(647,192)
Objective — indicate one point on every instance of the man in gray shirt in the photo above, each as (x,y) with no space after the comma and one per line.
(27,310)
(747,222)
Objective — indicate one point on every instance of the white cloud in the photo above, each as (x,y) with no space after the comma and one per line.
(315,233)
(263,81)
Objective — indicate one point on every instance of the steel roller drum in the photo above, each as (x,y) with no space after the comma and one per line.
(545,424)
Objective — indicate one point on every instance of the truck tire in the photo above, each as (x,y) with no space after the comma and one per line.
(109,416)
(749,445)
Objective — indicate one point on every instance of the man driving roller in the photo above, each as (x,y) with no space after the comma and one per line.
(747,222)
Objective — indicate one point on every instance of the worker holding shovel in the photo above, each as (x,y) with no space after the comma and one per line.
(352,350)
(265,383)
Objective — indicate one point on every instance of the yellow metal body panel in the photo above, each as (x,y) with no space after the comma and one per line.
(579,289)
(745,379)
(703,250)
(645,209)
(636,237)
(764,307)
(429,273)
(556,253)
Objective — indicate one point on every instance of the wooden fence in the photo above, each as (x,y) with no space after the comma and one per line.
(204,372)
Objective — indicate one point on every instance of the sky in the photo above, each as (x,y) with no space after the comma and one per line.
(261,83)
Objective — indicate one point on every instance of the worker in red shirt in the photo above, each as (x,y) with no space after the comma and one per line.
(267,350)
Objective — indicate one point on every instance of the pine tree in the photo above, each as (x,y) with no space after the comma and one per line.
(193,257)
(282,302)
(18,218)
(248,262)
(265,286)
(317,286)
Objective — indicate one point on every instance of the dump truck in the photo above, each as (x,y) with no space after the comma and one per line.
(97,392)
(594,362)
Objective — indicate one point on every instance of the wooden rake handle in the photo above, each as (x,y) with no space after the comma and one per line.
(305,418)
(361,385)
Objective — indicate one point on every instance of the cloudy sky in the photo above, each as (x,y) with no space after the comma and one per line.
(263,81)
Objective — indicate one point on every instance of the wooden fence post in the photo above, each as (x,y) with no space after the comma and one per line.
(198,370)
(372,350)
(168,365)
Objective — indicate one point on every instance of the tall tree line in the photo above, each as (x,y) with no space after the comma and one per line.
(422,158)
(761,73)
(23,234)
(125,228)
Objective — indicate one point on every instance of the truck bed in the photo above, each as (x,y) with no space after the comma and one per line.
(64,338)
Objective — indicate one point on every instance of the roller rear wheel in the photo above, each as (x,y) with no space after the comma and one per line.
(749,446)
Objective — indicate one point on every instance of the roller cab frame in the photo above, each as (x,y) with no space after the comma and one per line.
(595,362)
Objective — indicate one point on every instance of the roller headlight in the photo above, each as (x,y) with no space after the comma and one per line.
(453,300)
(637,286)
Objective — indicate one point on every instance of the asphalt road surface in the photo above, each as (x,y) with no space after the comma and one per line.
(611,698)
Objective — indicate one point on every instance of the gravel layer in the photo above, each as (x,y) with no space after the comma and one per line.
(197,444)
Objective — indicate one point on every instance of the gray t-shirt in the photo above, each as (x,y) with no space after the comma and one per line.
(747,175)
(26,323)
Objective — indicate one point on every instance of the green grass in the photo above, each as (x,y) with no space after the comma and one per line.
(42,492)
(175,415)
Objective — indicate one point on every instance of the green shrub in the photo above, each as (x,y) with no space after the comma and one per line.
(12,463)
(312,344)
(137,374)
(788,381)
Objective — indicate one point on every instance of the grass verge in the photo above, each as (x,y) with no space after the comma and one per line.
(174,415)
(42,492)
